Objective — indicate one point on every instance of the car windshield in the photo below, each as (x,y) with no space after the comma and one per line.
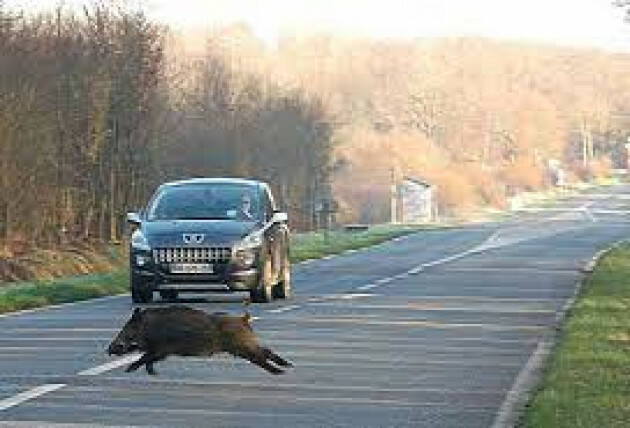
(205,202)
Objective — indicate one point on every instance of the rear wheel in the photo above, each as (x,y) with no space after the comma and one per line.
(140,292)
(263,293)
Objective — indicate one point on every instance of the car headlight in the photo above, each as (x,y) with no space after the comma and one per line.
(139,241)
(142,260)
(245,250)
(252,240)
(245,256)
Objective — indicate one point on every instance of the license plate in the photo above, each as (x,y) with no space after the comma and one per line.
(191,268)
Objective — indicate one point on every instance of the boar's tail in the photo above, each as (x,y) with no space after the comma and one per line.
(269,354)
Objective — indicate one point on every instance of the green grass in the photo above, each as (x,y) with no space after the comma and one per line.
(27,295)
(316,245)
(587,382)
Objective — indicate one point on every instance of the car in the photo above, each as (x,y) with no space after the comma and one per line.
(210,234)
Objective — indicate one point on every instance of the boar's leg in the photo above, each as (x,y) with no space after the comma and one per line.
(265,365)
(269,354)
(259,357)
(147,360)
(136,364)
(154,359)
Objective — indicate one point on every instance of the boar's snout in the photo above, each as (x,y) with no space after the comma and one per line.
(115,349)
(119,348)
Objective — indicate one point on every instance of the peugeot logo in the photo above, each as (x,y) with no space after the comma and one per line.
(193,238)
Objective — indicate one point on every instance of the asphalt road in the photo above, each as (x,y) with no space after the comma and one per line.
(435,329)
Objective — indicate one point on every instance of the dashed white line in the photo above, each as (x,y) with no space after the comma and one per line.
(284,309)
(415,271)
(9,402)
(367,287)
(489,244)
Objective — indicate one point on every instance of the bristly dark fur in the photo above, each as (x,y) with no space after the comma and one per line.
(183,331)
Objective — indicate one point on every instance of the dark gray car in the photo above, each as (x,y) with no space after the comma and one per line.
(210,234)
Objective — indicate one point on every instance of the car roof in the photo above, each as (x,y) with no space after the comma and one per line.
(215,180)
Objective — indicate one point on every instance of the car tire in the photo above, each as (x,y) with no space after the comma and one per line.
(282,290)
(169,295)
(263,293)
(140,293)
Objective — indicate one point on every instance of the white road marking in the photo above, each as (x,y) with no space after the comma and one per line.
(491,243)
(350,296)
(283,309)
(415,271)
(9,402)
(94,371)
(529,375)
(522,384)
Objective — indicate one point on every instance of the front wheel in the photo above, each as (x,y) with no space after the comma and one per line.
(282,290)
(263,293)
(140,293)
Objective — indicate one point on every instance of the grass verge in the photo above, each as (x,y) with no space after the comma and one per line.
(27,295)
(313,245)
(587,382)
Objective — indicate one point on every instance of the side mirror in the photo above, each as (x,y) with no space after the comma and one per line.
(134,218)
(279,217)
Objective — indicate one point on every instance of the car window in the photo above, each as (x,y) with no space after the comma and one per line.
(205,202)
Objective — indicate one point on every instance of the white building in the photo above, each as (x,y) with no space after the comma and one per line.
(415,200)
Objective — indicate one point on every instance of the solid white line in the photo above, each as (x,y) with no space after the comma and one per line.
(283,309)
(530,374)
(522,385)
(110,366)
(367,287)
(7,403)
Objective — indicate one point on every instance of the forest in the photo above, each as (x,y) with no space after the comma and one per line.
(100,105)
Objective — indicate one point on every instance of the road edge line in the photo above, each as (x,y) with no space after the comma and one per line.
(511,409)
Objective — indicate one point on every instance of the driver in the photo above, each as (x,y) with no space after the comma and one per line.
(244,212)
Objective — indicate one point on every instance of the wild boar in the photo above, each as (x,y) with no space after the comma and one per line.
(184,331)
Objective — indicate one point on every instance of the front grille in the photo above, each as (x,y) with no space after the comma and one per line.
(192,255)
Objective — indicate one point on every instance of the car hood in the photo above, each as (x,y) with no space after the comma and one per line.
(216,232)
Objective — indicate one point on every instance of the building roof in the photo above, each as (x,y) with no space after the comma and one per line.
(418,181)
